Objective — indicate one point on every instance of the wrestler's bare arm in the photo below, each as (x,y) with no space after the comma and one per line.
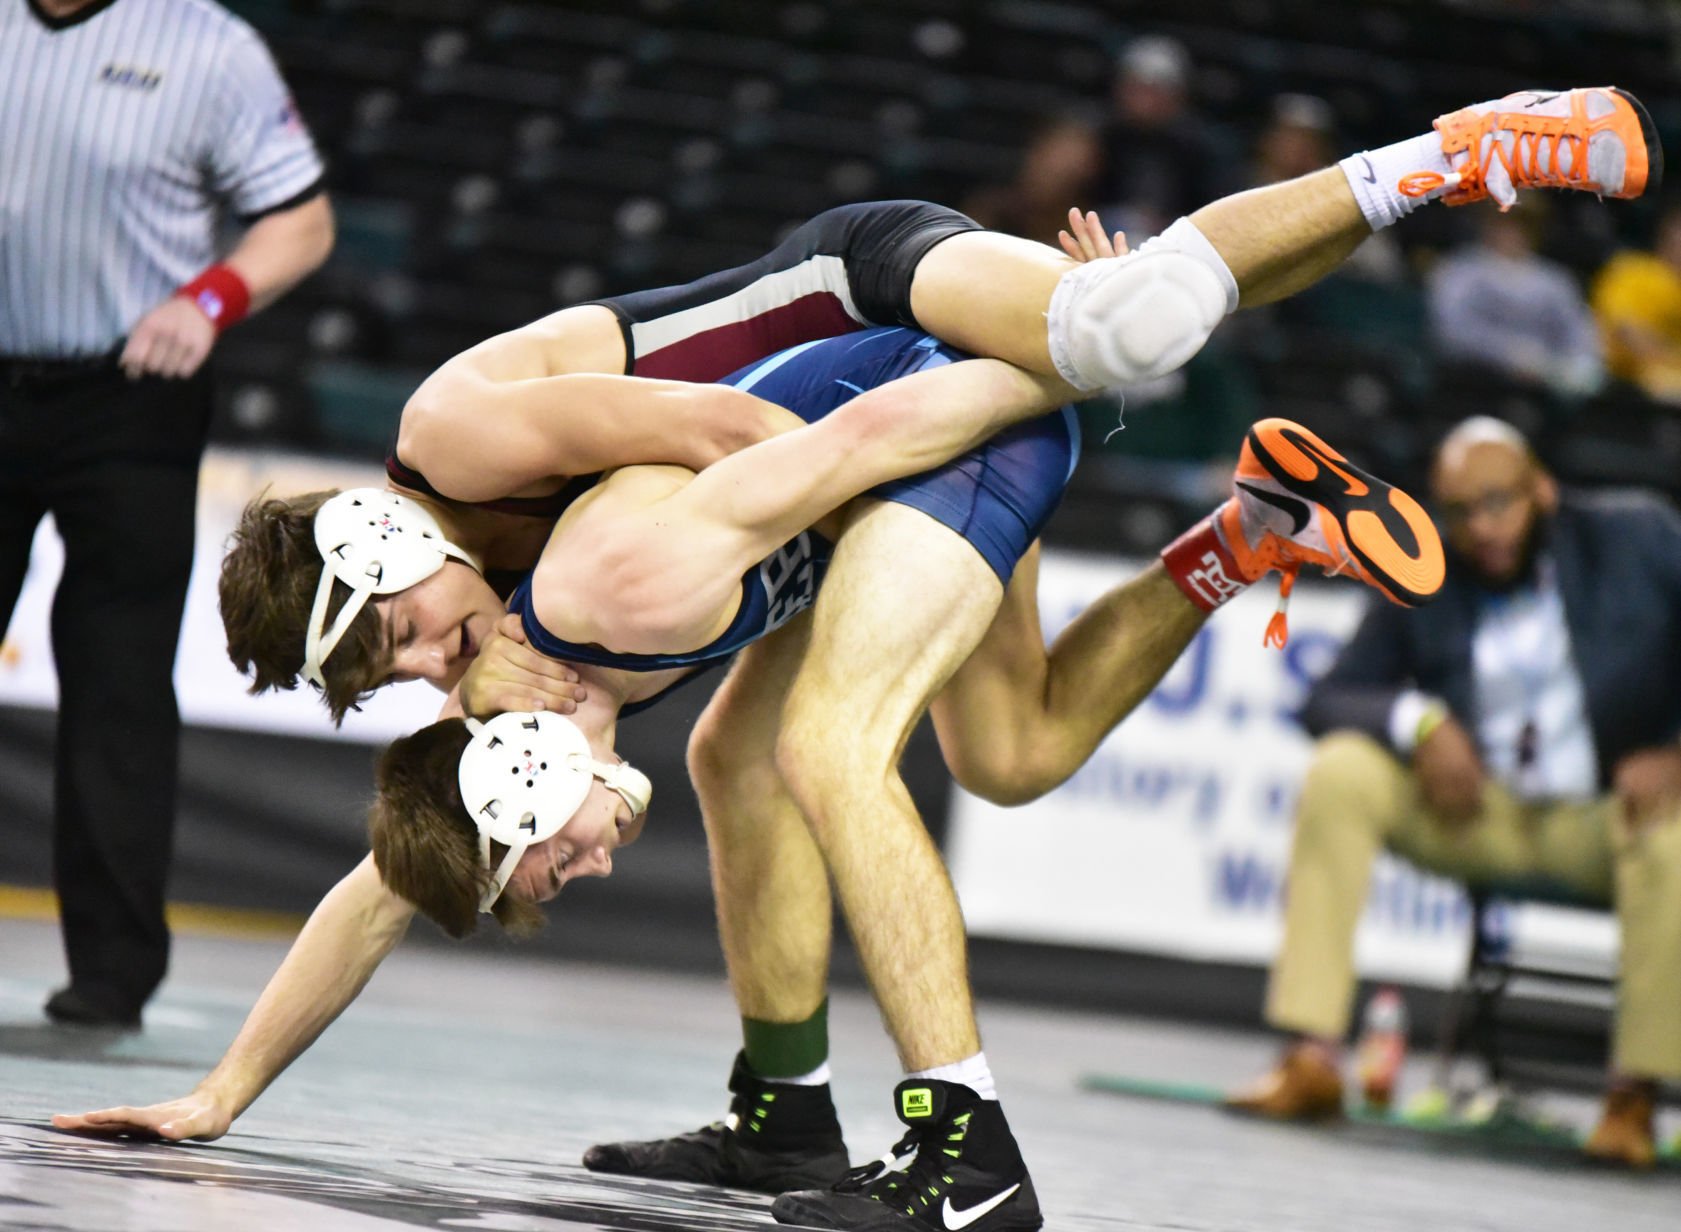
(348,935)
(549,428)
(656,566)
(751,503)
(341,945)
(546,401)
(346,938)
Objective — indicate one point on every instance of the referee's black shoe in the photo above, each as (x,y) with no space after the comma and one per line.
(82,1005)
(957,1167)
(777,1137)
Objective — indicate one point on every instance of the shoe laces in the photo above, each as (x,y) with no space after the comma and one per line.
(1534,157)
(912,1174)
(1277,554)
(748,1112)
(1278,628)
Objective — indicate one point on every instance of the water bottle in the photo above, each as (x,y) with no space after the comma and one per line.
(1383,1046)
(1495,926)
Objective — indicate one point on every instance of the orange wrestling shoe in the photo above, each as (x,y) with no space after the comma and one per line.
(1598,139)
(1296,501)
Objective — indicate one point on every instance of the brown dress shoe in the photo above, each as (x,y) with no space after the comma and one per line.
(1305,1086)
(1624,1133)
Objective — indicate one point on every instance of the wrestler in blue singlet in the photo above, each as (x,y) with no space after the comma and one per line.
(998,496)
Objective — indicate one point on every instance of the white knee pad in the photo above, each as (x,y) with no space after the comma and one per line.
(1122,320)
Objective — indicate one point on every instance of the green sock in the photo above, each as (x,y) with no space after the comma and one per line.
(787,1049)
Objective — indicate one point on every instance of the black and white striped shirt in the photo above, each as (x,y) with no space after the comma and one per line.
(124,130)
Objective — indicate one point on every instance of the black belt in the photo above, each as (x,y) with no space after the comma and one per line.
(20,370)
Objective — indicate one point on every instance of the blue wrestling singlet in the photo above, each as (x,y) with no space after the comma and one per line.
(998,496)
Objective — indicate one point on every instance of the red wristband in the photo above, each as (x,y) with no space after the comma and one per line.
(220,294)
(1202,566)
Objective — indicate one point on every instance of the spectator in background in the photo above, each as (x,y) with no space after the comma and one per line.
(1300,137)
(1058,170)
(1296,140)
(1498,304)
(1637,299)
(1520,730)
(124,130)
(1161,159)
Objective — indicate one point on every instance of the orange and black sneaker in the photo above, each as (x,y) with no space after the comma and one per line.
(1296,501)
(1597,139)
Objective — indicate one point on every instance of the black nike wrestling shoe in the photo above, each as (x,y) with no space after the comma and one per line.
(958,1167)
(777,1137)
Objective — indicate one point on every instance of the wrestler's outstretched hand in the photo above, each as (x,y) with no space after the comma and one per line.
(198,1116)
(508,675)
(1085,239)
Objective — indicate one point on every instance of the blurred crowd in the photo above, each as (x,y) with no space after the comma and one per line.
(493,164)
(1534,313)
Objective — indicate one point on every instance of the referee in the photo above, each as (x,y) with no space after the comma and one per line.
(127,129)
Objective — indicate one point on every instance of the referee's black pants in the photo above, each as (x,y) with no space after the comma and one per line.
(116,464)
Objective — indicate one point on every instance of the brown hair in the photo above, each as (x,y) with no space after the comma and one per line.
(267,590)
(425,846)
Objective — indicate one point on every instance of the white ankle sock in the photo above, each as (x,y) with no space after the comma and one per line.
(1375,176)
(973,1072)
(816,1078)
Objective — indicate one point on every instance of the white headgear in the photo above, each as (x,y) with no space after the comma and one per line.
(522,778)
(377,543)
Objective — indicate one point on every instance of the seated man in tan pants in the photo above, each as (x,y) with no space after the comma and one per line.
(1527,727)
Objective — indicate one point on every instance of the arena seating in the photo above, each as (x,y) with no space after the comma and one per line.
(493,162)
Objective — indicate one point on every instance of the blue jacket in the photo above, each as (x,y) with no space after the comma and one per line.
(1619,573)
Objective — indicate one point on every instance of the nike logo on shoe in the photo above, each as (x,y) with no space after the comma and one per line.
(1352,486)
(956,1219)
(1298,510)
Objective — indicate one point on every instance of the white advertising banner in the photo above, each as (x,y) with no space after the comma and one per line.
(1174,838)
(210,691)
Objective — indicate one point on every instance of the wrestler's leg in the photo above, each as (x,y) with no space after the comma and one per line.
(1276,241)
(1285,237)
(1017,719)
(904,603)
(987,293)
(768,878)
(1119,320)
(772,895)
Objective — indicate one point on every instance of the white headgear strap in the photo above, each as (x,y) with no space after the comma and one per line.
(523,776)
(377,543)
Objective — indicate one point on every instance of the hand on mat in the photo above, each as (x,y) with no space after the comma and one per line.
(1647,783)
(1085,239)
(507,675)
(1450,774)
(193,1116)
(172,340)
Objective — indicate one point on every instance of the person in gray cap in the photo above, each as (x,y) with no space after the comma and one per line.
(1161,157)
